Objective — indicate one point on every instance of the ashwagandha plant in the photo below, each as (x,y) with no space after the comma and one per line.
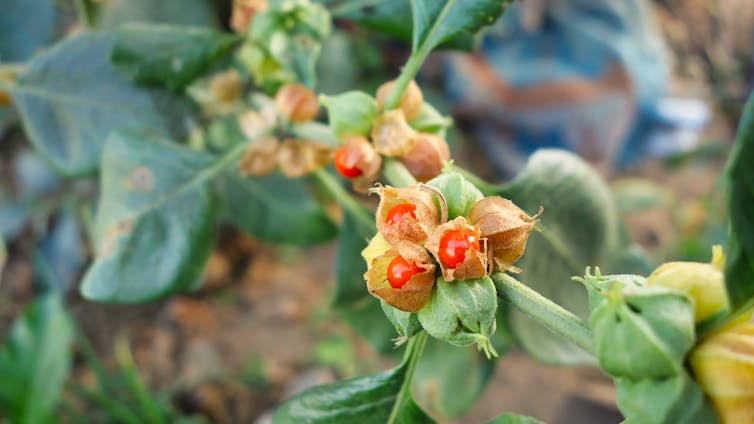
(187,126)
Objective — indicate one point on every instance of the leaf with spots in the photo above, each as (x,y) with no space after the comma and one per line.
(155,222)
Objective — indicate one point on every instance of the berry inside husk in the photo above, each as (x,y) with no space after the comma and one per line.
(400,212)
(455,244)
(346,160)
(399,271)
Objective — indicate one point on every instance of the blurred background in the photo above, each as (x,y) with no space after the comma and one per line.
(650,93)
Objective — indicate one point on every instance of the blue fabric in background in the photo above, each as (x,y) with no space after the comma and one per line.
(605,58)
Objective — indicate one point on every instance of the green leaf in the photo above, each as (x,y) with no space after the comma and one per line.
(155,221)
(275,209)
(460,195)
(431,121)
(367,318)
(351,112)
(25,26)
(739,266)
(438,21)
(35,361)
(513,419)
(168,55)
(378,398)
(71,99)
(664,401)
(187,12)
(3,255)
(350,266)
(580,228)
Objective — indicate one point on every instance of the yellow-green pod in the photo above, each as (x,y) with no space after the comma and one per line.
(723,366)
(704,283)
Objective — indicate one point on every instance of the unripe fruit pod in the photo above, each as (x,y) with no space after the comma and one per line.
(460,195)
(462,313)
(411,102)
(723,365)
(426,157)
(414,227)
(391,134)
(413,295)
(406,323)
(704,283)
(361,155)
(474,263)
(297,102)
(506,228)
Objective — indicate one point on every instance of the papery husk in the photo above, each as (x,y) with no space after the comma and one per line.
(369,161)
(506,227)
(253,123)
(297,158)
(411,102)
(391,134)
(415,230)
(260,157)
(427,156)
(243,12)
(723,365)
(225,86)
(474,264)
(415,293)
(297,102)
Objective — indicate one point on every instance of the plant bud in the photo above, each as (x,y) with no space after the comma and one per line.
(406,323)
(297,102)
(506,228)
(723,365)
(260,157)
(362,156)
(391,134)
(413,294)
(473,262)
(460,195)
(642,332)
(226,86)
(411,102)
(243,12)
(462,313)
(427,156)
(297,158)
(704,283)
(408,214)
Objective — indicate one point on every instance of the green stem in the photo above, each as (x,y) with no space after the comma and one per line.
(410,358)
(544,311)
(344,198)
(407,75)
(397,174)
(84,13)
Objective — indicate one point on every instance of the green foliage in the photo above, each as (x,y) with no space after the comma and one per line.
(275,209)
(579,228)
(169,55)
(739,267)
(513,419)
(155,220)
(435,22)
(71,99)
(35,361)
(351,112)
(378,398)
(349,265)
(406,323)
(672,400)
(185,12)
(25,26)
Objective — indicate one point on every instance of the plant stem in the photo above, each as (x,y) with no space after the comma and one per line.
(543,310)
(407,74)
(410,359)
(397,174)
(84,13)
(346,200)
(488,189)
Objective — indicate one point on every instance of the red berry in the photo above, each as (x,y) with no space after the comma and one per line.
(399,271)
(346,159)
(454,244)
(399,212)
